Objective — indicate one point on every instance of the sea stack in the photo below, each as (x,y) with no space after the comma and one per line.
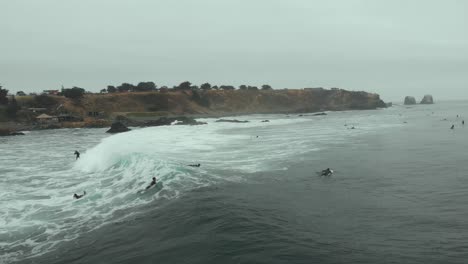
(427,99)
(410,100)
(117,127)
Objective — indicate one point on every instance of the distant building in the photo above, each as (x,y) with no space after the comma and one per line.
(46,119)
(65,117)
(95,114)
(51,92)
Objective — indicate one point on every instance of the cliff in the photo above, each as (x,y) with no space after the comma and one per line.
(150,105)
(216,102)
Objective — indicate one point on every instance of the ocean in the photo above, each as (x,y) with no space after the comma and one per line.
(399,192)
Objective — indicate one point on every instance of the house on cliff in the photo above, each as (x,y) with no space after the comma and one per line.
(45,119)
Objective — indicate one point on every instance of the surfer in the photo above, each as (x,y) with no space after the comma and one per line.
(77,196)
(77,154)
(463,122)
(194,165)
(327,172)
(452,127)
(153,182)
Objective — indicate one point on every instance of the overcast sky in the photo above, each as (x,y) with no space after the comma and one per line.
(394,48)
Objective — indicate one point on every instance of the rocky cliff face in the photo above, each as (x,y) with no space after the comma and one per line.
(213,102)
(410,100)
(308,100)
(427,99)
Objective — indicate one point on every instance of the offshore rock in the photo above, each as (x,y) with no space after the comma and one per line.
(167,121)
(117,127)
(16,134)
(319,114)
(427,99)
(8,132)
(410,100)
(232,121)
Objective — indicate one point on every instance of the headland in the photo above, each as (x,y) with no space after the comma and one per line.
(101,109)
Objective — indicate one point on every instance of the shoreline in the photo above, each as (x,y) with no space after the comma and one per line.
(13,127)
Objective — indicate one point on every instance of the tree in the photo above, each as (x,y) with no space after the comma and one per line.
(12,108)
(111,89)
(252,88)
(125,87)
(215,87)
(43,100)
(184,86)
(103,91)
(194,87)
(145,86)
(3,96)
(243,87)
(205,86)
(266,87)
(21,93)
(74,93)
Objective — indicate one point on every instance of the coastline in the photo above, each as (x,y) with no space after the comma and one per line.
(146,108)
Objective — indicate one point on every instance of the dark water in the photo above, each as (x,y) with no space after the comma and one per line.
(398,195)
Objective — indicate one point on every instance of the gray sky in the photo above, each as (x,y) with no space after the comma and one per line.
(394,48)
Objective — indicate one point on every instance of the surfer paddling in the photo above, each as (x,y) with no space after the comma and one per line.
(194,165)
(327,172)
(77,196)
(153,182)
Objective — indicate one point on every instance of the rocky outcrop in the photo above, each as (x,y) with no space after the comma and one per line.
(183,120)
(127,121)
(231,121)
(410,100)
(427,99)
(162,121)
(16,134)
(8,132)
(319,114)
(117,127)
(166,121)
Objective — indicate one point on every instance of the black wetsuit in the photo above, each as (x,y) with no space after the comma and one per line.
(153,182)
(77,196)
(77,154)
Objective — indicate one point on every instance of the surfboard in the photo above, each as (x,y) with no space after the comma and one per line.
(320,173)
(155,188)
